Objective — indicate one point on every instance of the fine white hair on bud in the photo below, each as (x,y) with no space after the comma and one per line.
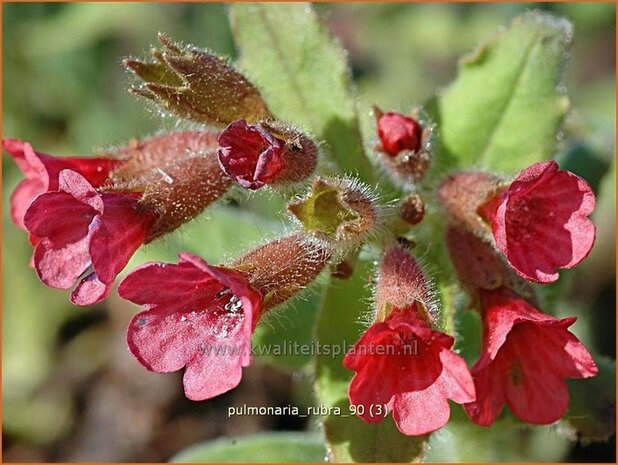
(403,284)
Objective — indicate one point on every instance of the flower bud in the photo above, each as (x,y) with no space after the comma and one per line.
(412,209)
(404,146)
(266,153)
(198,85)
(479,266)
(282,268)
(338,212)
(344,269)
(463,195)
(398,133)
(403,285)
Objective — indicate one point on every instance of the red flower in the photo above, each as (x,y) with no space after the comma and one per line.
(199,316)
(402,363)
(414,379)
(526,357)
(250,154)
(42,172)
(398,132)
(540,222)
(76,228)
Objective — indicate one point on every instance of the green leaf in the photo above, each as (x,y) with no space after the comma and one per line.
(209,237)
(349,438)
(258,448)
(460,440)
(303,75)
(591,415)
(291,326)
(505,107)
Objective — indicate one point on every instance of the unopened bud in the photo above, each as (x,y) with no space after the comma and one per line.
(266,153)
(345,268)
(404,146)
(282,268)
(412,209)
(198,85)
(464,194)
(402,285)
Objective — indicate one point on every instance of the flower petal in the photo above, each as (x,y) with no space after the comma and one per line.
(117,234)
(455,381)
(90,291)
(545,205)
(421,412)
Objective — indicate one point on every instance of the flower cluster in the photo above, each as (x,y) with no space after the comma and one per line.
(86,217)
(502,236)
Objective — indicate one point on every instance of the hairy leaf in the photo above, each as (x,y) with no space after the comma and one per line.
(267,447)
(505,108)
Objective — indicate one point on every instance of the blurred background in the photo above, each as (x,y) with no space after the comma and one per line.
(71,390)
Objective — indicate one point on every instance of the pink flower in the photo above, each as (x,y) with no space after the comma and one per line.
(525,358)
(93,213)
(76,228)
(398,133)
(250,154)
(42,172)
(400,361)
(540,222)
(199,317)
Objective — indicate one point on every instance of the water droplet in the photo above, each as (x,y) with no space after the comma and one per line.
(166,177)
(233,305)
(223,292)
(183,318)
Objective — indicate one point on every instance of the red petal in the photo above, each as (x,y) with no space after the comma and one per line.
(168,285)
(90,291)
(59,217)
(398,132)
(502,310)
(490,396)
(421,412)
(60,266)
(117,234)
(209,375)
(535,392)
(212,347)
(42,172)
(193,322)
(455,381)
(61,221)
(250,154)
(545,205)
(526,355)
